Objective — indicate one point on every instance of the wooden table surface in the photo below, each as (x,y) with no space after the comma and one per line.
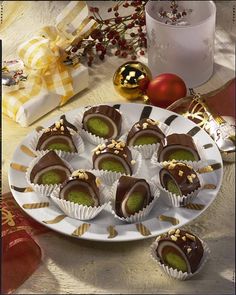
(81,267)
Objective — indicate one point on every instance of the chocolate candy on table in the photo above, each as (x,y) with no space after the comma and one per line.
(180,250)
(113,156)
(146,131)
(132,195)
(179,178)
(103,121)
(81,189)
(50,169)
(57,137)
(177,147)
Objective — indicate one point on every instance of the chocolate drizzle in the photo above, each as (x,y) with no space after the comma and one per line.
(49,162)
(144,128)
(113,151)
(109,115)
(183,244)
(127,186)
(175,142)
(183,176)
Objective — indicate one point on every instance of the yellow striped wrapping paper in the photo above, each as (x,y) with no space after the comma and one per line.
(50,83)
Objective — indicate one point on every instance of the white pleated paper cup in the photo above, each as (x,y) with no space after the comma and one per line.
(174,200)
(109,177)
(201,152)
(138,216)
(147,150)
(178,274)
(81,212)
(76,138)
(43,190)
(94,139)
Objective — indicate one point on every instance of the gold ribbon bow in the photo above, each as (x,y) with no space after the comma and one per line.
(43,58)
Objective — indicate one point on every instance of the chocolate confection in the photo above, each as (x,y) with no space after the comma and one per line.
(57,137)
(50,169)
(146,131)
(180,250)
(103,121)
(177,147)
(81,189)
(113,156)
(132,195)
(179,178)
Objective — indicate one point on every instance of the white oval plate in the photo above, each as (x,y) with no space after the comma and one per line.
(104,227)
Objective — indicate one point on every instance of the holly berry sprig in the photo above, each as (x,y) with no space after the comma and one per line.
(123,36)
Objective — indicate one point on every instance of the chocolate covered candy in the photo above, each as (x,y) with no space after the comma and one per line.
(103,121)
(113,156)
(177,147)
(146,131)
(132,195)
(50,169)
(57,137)
(180,250)
(81,189)
(179,178)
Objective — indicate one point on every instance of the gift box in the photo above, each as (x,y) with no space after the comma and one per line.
(215,113)
(45,75)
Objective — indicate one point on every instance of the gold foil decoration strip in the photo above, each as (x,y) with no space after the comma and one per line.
(209,186)
(112,232)
(194,206)
(194,131)
(81,230)
(56,219)
(18,167)
(144,231)
(39,128)
(170,219)
(36,205)
(22,189)
(209,168)
(27,151)
(208,145)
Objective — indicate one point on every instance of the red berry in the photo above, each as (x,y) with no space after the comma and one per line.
(133,57)
(118,20)
(134,16)
(117,52)
(116,8)
(124,54)
(109,9)
(113,42)
(126,5)
(132,34)
(96,9)
(142,52)
(101,56)
(117,14)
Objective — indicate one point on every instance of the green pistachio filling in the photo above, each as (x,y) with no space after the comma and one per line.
(98,127)
(175,261)
(135,202)
(181,155)
(142,140)
(59,146)
(80,198)
(113,166)
(50,177)
(172,187)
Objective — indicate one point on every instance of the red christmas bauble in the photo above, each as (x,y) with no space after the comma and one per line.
(166,88)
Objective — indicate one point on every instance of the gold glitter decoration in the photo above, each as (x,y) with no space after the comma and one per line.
(129,79)
(81,230)
(209,168)
(36,205)
(18,167)
(194,206)
(27,151)
(112,232)
(209,186)
(170,219)
(144,231)
(55,220)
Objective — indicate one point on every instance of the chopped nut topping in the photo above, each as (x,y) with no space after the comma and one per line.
(184,238)
(98,181)
(193,175)
(111,145)
(61,121)
(79,173)
(189,177)
(171,231)
(124,155)
(181,173)
(122,144)
(58,124)
(191,237)
(47,130)
(177,235)
(177,231)
(98,152)
(171,166)
(158,238)
(145,125)
(174,238)
(54,129)
(189,250)
(62,128)
(133,162)
(137,125)
(116,152)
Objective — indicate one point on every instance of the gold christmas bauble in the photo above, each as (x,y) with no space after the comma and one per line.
(131,79)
